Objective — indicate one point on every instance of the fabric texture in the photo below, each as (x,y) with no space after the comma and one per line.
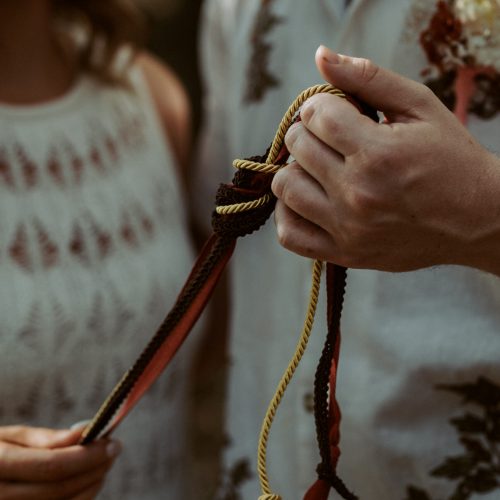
(93,253)
(416,346)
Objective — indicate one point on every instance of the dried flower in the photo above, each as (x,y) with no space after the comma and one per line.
(462,44)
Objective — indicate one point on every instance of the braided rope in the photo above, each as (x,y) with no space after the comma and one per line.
(120,392)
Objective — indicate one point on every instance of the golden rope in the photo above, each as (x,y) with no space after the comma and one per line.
(263,168)
(270,168)
(284,382)
(278,141)
(287,120)
(242,207)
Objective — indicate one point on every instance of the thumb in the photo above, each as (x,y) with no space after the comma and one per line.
(399,98)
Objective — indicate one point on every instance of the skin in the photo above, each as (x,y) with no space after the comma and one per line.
(40,463)
(415,191)
(173,107)
(28,54)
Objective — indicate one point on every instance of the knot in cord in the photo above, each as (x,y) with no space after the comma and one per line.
(245,205)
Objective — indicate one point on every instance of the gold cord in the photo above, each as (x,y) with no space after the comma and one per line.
(270,168)
(277,144)
(285,381)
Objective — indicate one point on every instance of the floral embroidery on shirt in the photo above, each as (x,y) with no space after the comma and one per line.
(477,469)
(260,78)
(461,39)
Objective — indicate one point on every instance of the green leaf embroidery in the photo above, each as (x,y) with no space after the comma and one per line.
(477,470)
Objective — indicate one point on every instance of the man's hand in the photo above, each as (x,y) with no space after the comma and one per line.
(41,464)
(415,191)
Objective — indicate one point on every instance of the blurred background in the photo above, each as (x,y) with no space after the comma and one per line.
(173,35)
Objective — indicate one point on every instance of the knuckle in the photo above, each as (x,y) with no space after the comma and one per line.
(322,110)
(282,184)
(331,124)
(367,70)
(284,234)
(362,202)
(291,196)
(277,185)
(308,110)
(293,135)
(424,95)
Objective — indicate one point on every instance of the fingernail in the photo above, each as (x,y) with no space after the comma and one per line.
(113,449)
(79,425)
(329,56)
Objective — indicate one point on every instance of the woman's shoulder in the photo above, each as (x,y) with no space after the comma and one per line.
(170,100)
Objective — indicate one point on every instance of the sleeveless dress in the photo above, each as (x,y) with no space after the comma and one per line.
(93,251)
(419,377)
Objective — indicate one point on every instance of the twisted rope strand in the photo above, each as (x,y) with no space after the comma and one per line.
(264,168)
(243,207)
(285,381)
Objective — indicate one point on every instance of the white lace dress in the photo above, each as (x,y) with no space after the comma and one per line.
(93,251)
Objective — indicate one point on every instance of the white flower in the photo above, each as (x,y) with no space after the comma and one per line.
(477,11)
(481,30)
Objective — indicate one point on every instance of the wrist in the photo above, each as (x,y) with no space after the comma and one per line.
(481,246)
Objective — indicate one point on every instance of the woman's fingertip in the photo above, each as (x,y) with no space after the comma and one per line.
(79,425)
(113,449)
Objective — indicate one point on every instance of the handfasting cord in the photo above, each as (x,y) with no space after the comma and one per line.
(326,470)
(242,208)
(327,413)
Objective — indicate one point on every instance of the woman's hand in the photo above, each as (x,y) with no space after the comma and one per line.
(411,193)
(38,464)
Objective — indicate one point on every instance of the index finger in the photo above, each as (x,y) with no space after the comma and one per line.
(18,463)
(337,123)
